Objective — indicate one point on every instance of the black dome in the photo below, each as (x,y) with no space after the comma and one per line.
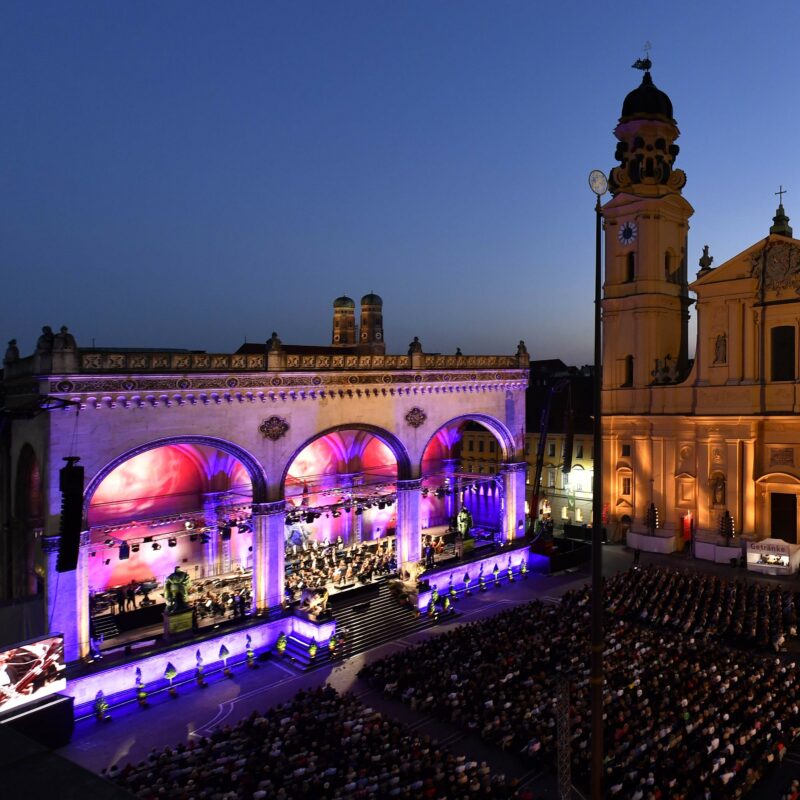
(648,102)
(344,302)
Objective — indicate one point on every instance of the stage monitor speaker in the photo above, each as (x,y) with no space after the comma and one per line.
(71,485)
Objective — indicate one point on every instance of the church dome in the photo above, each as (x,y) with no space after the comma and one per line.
(371,300)
(647,102)
(344,302)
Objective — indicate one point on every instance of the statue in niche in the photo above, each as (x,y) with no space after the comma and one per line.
(464,521)
(718,490)
(721,349)
(176,588)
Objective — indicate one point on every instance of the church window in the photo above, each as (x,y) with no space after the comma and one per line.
(551,449)
(626,487)
(630,268)
(480,446)
(551,479)
(564,512)
(783,353)
(626,451)
(627,378)
(579,453)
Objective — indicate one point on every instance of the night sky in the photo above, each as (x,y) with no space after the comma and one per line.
(188,174)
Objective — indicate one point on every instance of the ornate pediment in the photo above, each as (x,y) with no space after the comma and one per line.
(778,267)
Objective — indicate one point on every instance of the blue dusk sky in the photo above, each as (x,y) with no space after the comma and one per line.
(188,174)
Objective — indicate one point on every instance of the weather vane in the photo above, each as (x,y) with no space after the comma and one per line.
(644,63)
(781,192)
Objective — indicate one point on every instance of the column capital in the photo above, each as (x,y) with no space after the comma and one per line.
(269,509)
(518,466)
(415,484)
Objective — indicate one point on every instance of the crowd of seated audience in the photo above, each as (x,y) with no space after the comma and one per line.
(745,614)
(319,745)
(687,716)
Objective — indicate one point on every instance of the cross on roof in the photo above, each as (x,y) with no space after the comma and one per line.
(781,191)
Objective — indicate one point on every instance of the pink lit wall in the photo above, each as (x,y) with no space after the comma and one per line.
(165,481)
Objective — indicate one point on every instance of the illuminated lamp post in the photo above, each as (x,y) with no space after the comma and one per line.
(599,185)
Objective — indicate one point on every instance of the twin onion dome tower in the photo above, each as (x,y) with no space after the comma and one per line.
(366,337)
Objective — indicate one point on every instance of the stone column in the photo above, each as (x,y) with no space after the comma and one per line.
(409,535)
(269,523)
(514,495)
(67,596)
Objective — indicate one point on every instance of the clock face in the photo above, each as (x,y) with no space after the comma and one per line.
(378,335)
(627,233)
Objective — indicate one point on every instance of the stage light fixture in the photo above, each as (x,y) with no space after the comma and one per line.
(309,518)
(92,554)
(193,537)
(337,513)
(205,538)
(124,551)
(225,533)
(189,525)
(381,505)
(108,542)
(156,546)
(172,541)
(359,510)
(148,539)
(134,548)
(347,509)
(107,561)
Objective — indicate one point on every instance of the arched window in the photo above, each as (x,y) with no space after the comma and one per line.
(627,377)
(783,353)
(630,268)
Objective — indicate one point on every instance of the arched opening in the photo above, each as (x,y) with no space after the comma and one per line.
(179,504)
(26,572)
(341,500)
(462,485)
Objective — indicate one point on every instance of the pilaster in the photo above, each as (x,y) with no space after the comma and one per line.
(514,494)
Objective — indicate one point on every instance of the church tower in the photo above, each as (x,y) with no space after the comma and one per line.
(371,340)
(645,294)
(344,322)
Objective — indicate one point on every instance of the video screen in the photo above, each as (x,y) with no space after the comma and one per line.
(31,670)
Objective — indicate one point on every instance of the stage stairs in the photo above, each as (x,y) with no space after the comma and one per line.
(369,617)
(104,626)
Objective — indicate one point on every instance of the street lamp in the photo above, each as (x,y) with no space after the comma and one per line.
(599,185)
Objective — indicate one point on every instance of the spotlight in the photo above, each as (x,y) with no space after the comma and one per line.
(124,551)
(359,510)
(93,554)
(148,539)
(347,508)
(381,504)
(425,492)
(108,542)
(225,533)
(107,561)
(205,538)
(309,518)
(156,546)
(193,537)
(172,541)
(439,492)
(134,548)
(189,525)
(244,527)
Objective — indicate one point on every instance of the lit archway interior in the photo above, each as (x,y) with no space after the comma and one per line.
(178,504)
(341,485)
(461,468)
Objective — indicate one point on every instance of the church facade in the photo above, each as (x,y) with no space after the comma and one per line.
(720,432)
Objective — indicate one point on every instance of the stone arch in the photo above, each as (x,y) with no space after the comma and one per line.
(500,432)
(250,463)
(389,439)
